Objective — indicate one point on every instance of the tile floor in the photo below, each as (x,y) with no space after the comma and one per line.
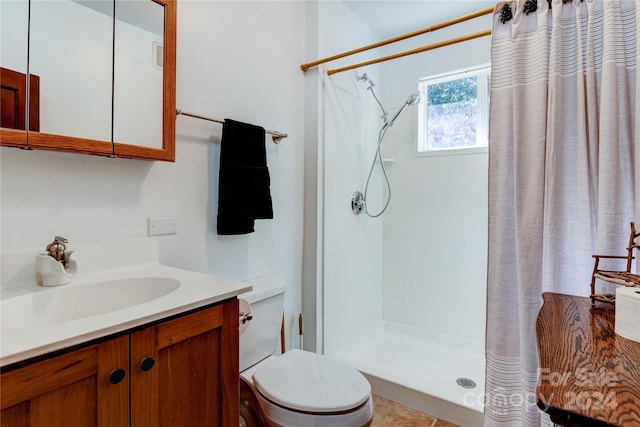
(388,413)
(391,414)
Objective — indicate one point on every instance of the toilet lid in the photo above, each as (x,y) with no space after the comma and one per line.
(310,382)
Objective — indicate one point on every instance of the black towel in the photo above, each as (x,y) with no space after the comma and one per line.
(243,186)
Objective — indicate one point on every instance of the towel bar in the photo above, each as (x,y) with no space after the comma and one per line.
(275,135)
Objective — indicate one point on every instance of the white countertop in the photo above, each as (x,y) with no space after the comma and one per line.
(26,337)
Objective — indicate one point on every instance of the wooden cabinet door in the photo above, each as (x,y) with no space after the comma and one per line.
(185,372)
(13,92)
(72,390)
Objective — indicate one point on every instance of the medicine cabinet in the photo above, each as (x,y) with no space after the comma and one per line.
(101,76)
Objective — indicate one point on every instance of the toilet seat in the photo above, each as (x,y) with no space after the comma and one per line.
(311,383)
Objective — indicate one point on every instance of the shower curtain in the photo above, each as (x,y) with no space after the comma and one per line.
(564,167)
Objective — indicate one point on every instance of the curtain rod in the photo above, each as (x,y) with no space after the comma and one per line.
(275,135)
(434,27)
(413,51)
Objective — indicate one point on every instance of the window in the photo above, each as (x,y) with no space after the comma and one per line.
(454,110)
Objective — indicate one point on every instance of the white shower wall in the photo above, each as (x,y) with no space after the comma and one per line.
(435,230)
(353,249)
(423,263)
(350,246)
(435,245)
(400,297)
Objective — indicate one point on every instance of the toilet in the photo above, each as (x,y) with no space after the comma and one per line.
(297,388)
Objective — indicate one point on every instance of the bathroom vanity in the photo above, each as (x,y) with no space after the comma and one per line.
(146,357)
(182,371)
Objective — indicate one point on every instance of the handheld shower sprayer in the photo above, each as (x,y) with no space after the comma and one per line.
(414,98)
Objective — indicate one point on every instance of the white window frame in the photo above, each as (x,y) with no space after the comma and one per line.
(420,148)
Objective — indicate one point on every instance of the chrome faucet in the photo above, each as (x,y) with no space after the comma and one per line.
(56,248)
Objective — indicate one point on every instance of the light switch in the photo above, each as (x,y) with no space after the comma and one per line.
(162,225)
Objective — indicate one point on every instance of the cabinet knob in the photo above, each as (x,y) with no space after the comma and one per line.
(117,376)
(147,363)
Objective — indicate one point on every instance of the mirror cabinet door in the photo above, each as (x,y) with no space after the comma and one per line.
(145,79)
(13,72)
(137,92)
(71,50)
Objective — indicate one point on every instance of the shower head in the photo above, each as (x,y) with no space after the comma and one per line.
(413,99)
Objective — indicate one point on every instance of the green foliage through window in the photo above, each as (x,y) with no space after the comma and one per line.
(453,91)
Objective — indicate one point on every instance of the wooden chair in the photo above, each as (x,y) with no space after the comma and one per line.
(626,277)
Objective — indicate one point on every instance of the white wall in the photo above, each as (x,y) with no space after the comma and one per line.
(235,59)
(14,27)
(435,231)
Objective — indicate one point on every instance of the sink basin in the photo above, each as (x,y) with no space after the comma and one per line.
(76,302)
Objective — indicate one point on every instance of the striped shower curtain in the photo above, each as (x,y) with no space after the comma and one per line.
(564,172)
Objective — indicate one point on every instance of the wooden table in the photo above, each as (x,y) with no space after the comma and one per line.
(588,376)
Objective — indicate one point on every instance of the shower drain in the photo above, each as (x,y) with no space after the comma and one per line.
(466,383)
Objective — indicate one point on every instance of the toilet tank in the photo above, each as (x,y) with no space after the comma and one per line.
(261,338)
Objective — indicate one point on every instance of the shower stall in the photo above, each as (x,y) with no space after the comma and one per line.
(403,294)
(400,296)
